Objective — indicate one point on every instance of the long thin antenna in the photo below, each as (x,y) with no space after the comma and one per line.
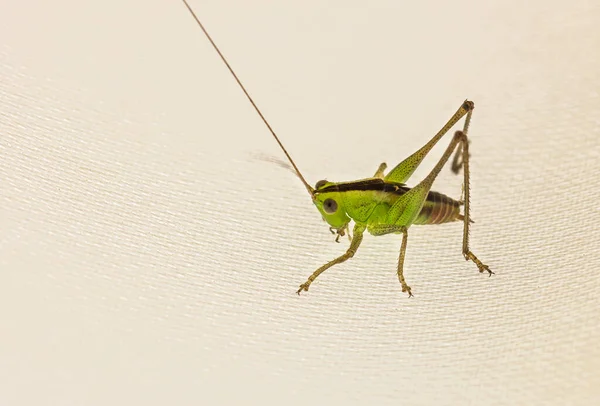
(308,187)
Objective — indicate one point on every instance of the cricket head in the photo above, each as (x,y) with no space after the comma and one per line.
(328,200)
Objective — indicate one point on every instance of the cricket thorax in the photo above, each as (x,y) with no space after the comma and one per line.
(341,202)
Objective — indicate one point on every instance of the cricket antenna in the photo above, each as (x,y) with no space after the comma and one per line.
(311,191)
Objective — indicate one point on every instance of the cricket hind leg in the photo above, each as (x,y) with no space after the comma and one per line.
(460,139)
(467,253)
(402,172)
(458,161)
(356,240)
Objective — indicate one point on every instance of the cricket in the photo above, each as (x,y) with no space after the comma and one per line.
(383,204)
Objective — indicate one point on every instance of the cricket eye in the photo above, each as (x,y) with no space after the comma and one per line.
(330,206)
(320,184)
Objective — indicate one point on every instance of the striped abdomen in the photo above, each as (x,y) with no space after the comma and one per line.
(438,209)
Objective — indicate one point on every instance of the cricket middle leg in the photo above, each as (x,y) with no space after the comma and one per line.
(405,287)
(388,229)
(380,171)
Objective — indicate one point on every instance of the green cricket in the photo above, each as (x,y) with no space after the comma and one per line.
(383,204)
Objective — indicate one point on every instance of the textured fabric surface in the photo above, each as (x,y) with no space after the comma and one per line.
(147,256)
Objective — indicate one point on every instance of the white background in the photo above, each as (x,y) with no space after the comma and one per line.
(149,255)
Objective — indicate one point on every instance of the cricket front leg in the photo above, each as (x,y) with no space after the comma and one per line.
(340,232)
(356,240)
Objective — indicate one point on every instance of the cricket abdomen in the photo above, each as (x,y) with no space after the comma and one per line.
(439,209)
